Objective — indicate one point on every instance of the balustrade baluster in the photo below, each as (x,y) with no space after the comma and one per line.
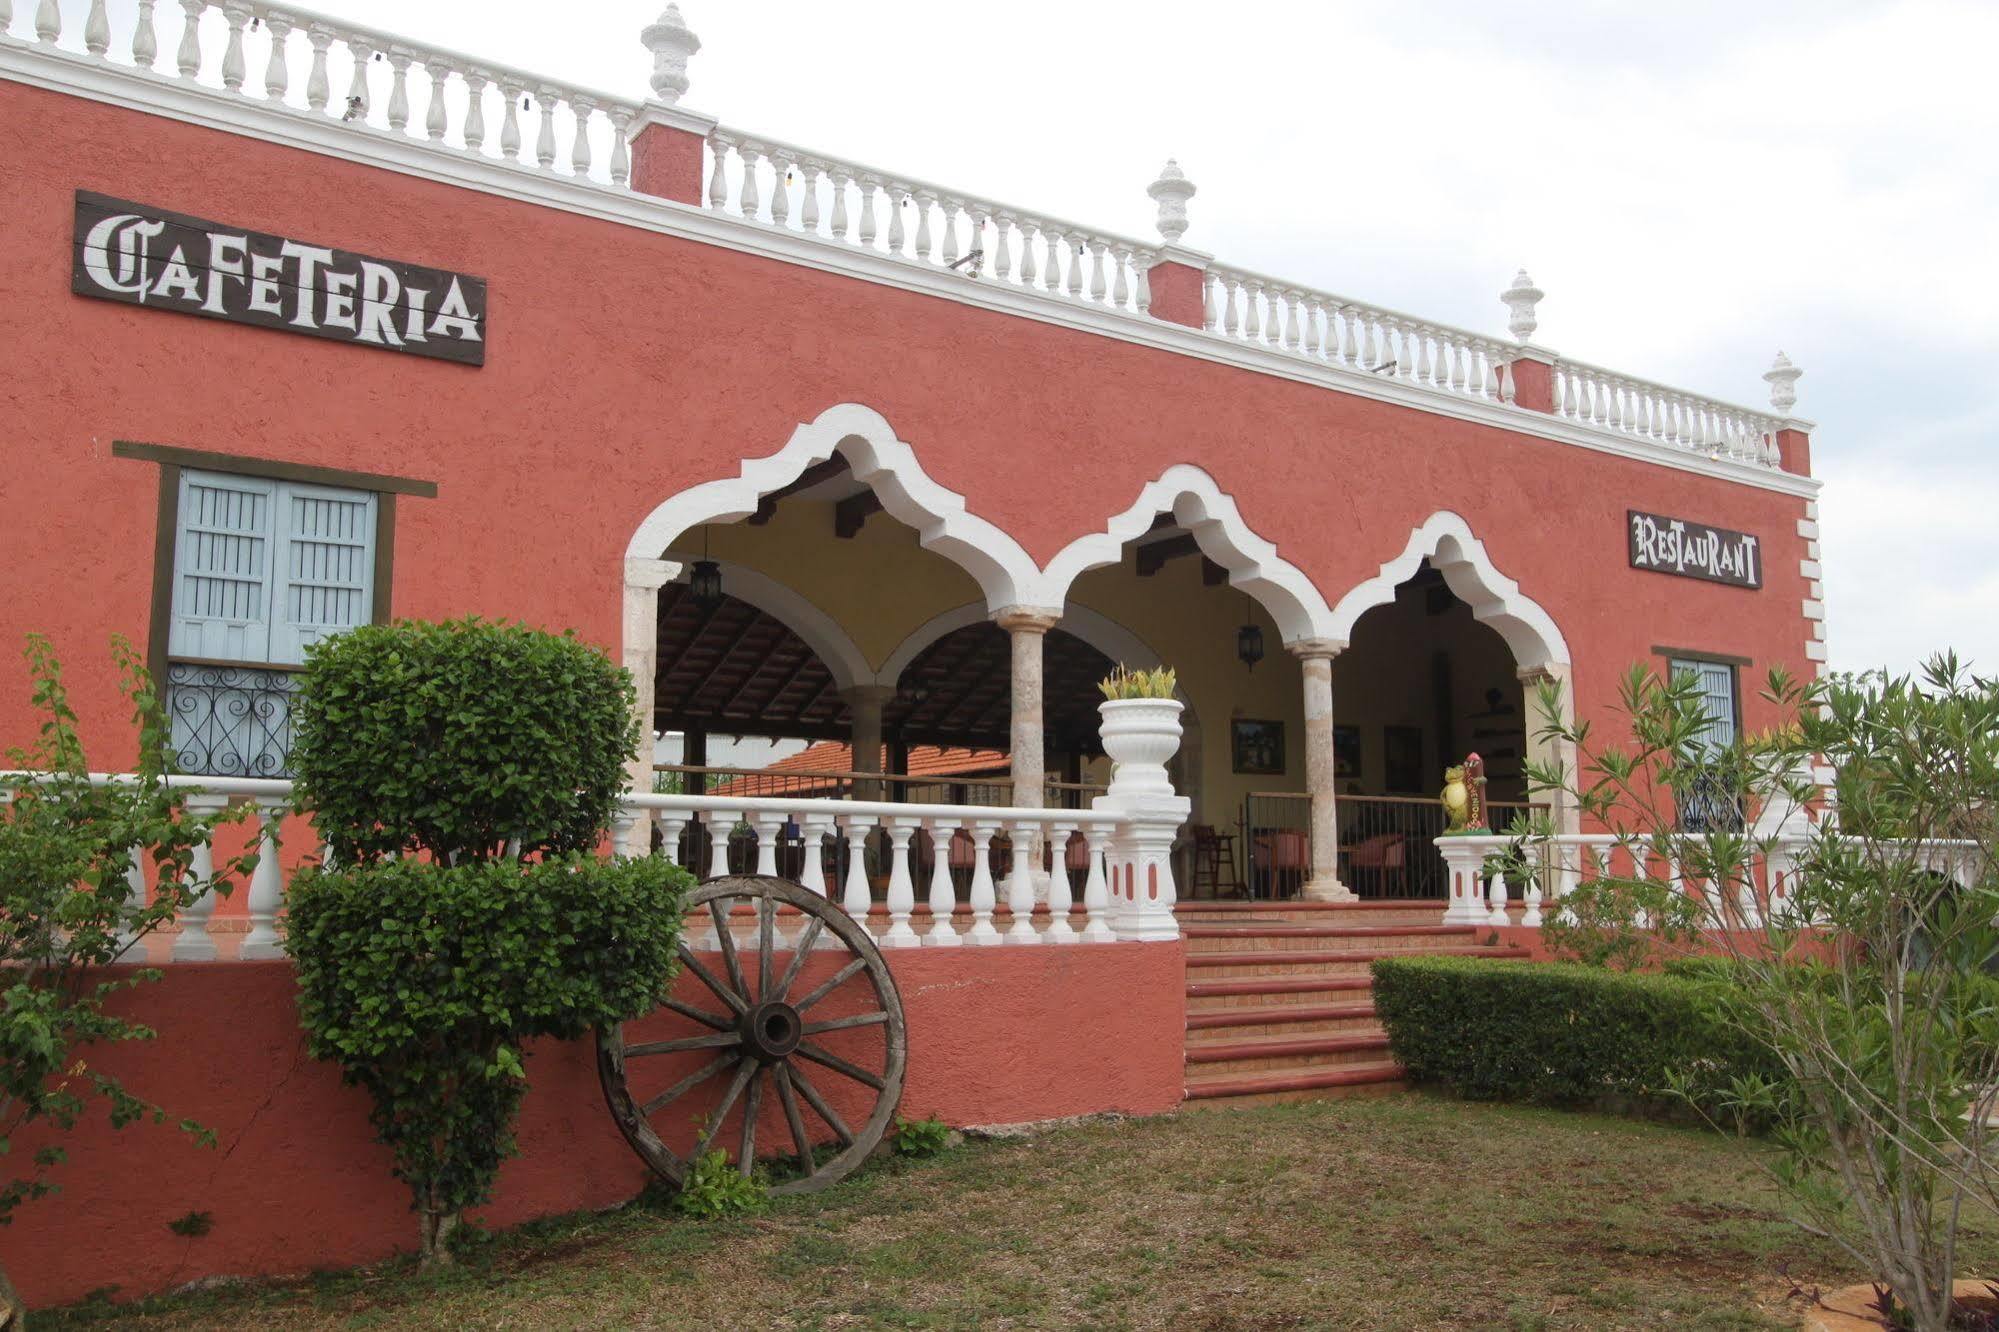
(721,825)
(1097,287)
(1051,259)
(808,197)
(1096,891)
(1029,275)
(267,885)
(780,190)
(621,153)
(768,827)
(672,823)
(357,84)
(48,21)
(544,139)
(1020,883)
(1506,386)
(579,143)
(97,30)
(131,945)
(1211,303)
(982,896)
(277,65)
(839,205)
(947,226)
(867,184)
(1285,332)
(1002,248)
(188,57)
(194,943)
(145,41)
(855,899)
(1252,323)
(900,201)
(1120,288)
(1309,333)
(1075,287)
(812,831)
(747,201)
(901,885)
(317,89)
(1530,895)
(1495,892)
(399,96)
(1232,319)
(975,247)
(234,17)
(943,896)
(1061,899)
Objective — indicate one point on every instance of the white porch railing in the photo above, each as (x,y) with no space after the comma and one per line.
(375,82)
(1562,864)
(1122,892)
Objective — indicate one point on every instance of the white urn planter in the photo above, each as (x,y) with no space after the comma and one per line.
(1140,735)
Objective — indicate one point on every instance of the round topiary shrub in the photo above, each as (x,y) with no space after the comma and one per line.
(434,758)
(467,740)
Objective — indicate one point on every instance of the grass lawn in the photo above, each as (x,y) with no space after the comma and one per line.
(1401,1212)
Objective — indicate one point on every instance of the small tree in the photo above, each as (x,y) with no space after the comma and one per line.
(69,851)
(1870,977)
(464,775)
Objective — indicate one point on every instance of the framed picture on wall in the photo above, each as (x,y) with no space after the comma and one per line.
(1346,752)
(1257,747)
(1402,759)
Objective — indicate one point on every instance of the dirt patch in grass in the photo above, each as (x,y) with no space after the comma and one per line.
(1403,1212)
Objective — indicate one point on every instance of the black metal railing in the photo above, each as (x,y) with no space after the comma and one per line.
(230,721)
(1387,843)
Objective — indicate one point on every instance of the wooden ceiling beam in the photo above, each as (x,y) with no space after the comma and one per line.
(851,514)
(1153,555)
(810,477)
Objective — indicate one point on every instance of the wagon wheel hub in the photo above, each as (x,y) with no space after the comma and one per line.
(771,1031)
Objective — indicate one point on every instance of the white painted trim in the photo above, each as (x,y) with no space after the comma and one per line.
(155,94)
(1093,627)
(885,464)
(1815,650)
(1446,540)
(818,630)
(1198,504)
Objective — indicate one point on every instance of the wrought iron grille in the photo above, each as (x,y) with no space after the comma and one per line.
(230,721)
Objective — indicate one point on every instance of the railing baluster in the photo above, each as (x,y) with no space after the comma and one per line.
(97,30)
(982,896)
(901,885)
(856,899)
(187,58)
(266,885)
(145,39)
(1020,883)
(277,64)
(1096,892)
(1061,899)
(195,944)
(943,899)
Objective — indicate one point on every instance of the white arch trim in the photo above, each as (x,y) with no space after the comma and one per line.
(887,465)
(1206,511)
(820,631)
(1446,540)
(1099,631)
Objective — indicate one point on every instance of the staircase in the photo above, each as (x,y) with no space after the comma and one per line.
(1280,1000)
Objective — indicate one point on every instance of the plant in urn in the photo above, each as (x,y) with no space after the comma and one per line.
(1141,728)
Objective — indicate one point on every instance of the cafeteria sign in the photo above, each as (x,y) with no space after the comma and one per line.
(166,261)
(1695,550)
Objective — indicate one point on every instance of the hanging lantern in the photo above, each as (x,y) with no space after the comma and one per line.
(1249,645)
(705,583)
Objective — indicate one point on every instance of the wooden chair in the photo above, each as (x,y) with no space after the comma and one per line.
(1385,854)
(1214,863)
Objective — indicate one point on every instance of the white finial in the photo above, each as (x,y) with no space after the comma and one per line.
(1521,298)
(1171,191)
(1782,377)
(671,43)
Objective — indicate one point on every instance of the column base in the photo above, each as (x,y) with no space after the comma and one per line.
(1328,889)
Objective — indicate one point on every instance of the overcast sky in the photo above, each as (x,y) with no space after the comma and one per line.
(1694,185)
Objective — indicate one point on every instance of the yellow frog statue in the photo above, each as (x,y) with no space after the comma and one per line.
(1463,796)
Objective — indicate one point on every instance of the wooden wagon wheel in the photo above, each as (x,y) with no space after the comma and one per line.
(764,1036)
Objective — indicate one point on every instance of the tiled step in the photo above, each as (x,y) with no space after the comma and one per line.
(1296,963)
(1230,1024)
(1210,996)
(1271,1054)
(1230,1090)
(1293,936)
(1385,912)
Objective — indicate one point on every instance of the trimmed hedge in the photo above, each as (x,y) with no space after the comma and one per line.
(1563,1034)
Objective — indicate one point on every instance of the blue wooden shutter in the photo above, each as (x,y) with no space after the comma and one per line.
(326,566)
(222,568)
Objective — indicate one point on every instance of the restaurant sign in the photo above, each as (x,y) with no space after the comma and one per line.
(166,261)
(1695,550)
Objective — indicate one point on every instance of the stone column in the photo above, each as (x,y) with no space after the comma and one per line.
(1315,661)
(1561,806)
(865,703)
(1027,626)
(643,580)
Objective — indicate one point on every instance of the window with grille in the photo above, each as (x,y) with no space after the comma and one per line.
(1708,806)
(262,568)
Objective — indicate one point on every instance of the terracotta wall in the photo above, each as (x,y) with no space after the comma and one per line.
(296,1182)
(625,366)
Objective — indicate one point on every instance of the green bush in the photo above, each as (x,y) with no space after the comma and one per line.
(1563,1034)
(714,1188)
(460,739)
(422,982)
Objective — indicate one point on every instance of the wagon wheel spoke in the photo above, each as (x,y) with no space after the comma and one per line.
(727,942)
(745,1070)
(813,928)
(746,1157)
(708,1042)
(707,978)
(841,1024)
(686,1085)
(766,939)
(794,1119)
(832,983)
(839,1065)
(818,1102)
(701,1015)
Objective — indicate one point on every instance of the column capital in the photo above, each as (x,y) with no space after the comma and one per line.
(1026,619)
(1306,648)
(652,574)
(857,696)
